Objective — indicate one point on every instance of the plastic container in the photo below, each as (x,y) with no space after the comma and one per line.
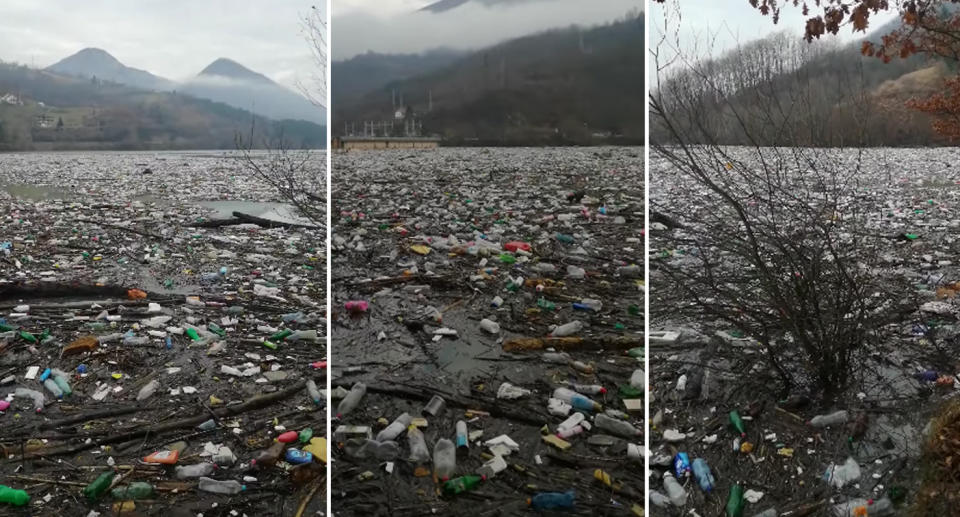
(835,418)
(444,459)
(314,393)
(675,492)
(490,326)
(462,442)
(13,497)
(352,400)
(553,500)
(419,453)
(228,487)
(392,431)
(616,426)
(567,329)
(148,390)
(576,400)
(194,471)
(701,471)
(53,388)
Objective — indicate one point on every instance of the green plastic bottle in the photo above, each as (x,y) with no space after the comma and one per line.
(135,490)
(94,490)
(461,484)
(735,502)
(193,334)
(738,423)
(216,329)
(562,237)
(14,497)
(306,435)
(636,352)
(268,344)
(546,304)
(280,336)
(63,385)
(507,258)
(28,336)
(6,328)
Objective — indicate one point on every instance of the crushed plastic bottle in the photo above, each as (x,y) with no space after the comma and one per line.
(227,487)
(194,471)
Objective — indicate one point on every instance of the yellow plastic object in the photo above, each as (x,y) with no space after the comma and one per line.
(318,447)
(420,249)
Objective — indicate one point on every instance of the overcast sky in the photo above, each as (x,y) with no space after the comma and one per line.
(395,26)
(175,39)
(725,22)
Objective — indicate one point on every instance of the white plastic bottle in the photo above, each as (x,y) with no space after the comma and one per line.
(392,431)
(567,329)
(352,400)
(419,453)
(148,390)
(194,471)
(676,493)
(490,326)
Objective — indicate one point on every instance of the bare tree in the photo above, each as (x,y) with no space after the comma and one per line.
(298,175)
(775,242)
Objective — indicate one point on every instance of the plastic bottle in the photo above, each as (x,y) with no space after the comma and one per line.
(552,500)
(60,377)
(148,390)
(461,484)
(220,487)
(490,326)
(135,490)
(572,421)
(280,336)
(567,329)
(835,418)
(367,448)
(314,393)
(36,396)
(840,475)
(304,335)
(419,453)
(462,442)
(224,456)
(556,357)
(352,400)
(658,499)
(681,465)
(588,389)
(576,400)
(570,432)
(738,423)
(268,457)
(444,459)
(53,388)
(735,501)
(392,431)
(675,492)
(194,471)
(616,426)
(94,490)
(701,471)
(13,496)
(298,457)
(880,508)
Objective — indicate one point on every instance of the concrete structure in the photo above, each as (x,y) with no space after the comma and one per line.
(383,142)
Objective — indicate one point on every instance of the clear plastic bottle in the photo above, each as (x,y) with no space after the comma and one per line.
(588,389)
(675,492)
(576,400)
(840,475)
(616,426)
(53,388)
(36,396)
(229,487)
(419,452)
(194,471)
(556,357)
(638,379)
(444,459)
(490,326)
(148,390)
(880,508)
(60,377)
(658,499)
(567,329)
(701,471)
(314,393)
(392,431)
(835,418)
(570,432)
(352,400)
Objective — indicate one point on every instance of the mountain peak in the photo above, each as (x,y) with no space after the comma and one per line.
(224,67)
(88,57)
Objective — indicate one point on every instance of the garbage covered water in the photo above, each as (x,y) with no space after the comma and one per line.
(727,439)
(488,332)
(155,355)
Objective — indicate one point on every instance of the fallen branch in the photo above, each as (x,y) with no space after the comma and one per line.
(568,343)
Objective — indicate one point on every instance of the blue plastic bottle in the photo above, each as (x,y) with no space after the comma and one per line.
(681,465)
(298,457)
(702,472)
(552,500)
